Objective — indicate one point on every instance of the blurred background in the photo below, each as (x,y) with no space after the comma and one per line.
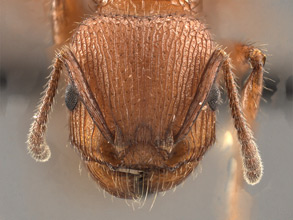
(61,188)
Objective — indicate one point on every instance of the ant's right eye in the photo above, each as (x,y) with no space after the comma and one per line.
(71,97)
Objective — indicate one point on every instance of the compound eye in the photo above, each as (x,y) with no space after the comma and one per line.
(71,97)
(214,98)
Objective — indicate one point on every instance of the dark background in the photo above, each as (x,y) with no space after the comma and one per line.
(61,189)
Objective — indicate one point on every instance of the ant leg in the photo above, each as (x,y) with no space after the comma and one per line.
(64,15)
(252,90)
(252,164)
(37,147)
(196,6)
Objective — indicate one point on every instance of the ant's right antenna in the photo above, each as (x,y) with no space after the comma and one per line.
(37,146)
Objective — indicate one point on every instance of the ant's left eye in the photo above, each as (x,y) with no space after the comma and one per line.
(214,98)
(71,97)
